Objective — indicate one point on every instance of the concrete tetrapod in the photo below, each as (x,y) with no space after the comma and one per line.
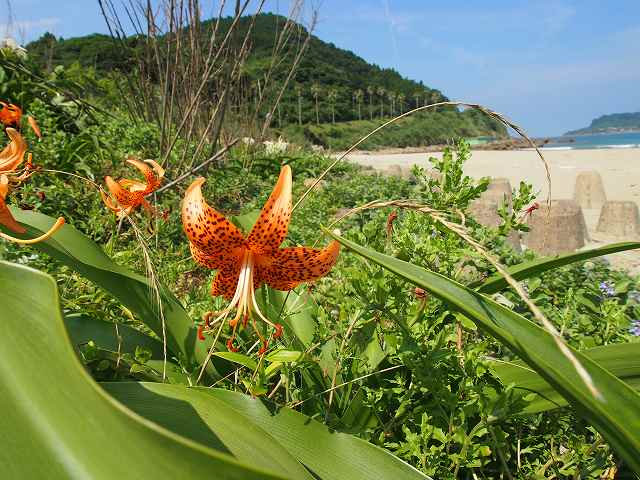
(589,190)
(620,218)
(558,229)
(485,208)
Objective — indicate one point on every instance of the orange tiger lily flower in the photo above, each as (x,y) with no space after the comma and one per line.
(11,116)
(7,220)
(245,263)
(129,194)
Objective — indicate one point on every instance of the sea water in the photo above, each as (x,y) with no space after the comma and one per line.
(598,140)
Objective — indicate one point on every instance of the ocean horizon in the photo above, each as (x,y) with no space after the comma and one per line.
(596,140)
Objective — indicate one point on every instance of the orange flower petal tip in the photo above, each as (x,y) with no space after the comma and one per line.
(34,126)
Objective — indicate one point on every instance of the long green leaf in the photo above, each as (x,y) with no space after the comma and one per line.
(329,455)
(110,336)
(235,420)
(113,340)
(496,282)
(616,415)
(193,414)
(622,360)
(72,248)
(59,424)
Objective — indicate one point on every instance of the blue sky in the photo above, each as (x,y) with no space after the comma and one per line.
(549,65)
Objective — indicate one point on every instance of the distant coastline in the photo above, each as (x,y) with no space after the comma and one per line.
(602,131)
(613,123)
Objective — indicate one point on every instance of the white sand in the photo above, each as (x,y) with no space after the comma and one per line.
(619,169)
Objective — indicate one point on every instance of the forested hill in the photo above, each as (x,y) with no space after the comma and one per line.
(615,122)
(337,83)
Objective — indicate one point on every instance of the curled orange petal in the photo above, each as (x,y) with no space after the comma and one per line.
(272,225)
(56,226)
(13,154)
(34,126)
(6,218)
(153,174)
(8,221)
(123,196)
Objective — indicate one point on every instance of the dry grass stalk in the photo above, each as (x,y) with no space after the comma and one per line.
(188,72)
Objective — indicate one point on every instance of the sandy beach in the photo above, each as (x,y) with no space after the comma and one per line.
(618,167)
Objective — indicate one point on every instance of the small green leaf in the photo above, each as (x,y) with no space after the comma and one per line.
(282,355)
(238,358)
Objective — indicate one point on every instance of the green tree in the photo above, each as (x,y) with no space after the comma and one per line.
(298,89)
(315,91)
(358,97)
(400,99)
(416,98)
(381,93)
(371,92)
(332,96)
(392,102)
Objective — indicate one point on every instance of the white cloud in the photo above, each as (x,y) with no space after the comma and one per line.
(23,27)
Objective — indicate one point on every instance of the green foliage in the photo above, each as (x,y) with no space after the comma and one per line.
(186,431)
(336,80)
(363,353)
(434,127)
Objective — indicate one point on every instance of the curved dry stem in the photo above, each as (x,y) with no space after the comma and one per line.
(463,233)
(56,226)
(498,116)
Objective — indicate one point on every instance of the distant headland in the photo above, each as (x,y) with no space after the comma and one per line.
(613,123)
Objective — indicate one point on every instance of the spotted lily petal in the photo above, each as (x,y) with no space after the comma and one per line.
(129,194)
(272,225)
(213,238)
(289,267)
(13,154)
(123,196)
(226,280)
(153,174)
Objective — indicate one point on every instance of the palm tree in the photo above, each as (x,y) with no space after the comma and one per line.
(315,91)
(370,92)
(416,97)
(332,96)
(298,89)
(392,102)
(381,91)
(400,100)
(358,94)
(428,96)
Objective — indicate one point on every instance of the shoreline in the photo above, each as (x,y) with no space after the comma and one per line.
(619,167)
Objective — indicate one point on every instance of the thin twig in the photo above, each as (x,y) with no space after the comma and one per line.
(199,167)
